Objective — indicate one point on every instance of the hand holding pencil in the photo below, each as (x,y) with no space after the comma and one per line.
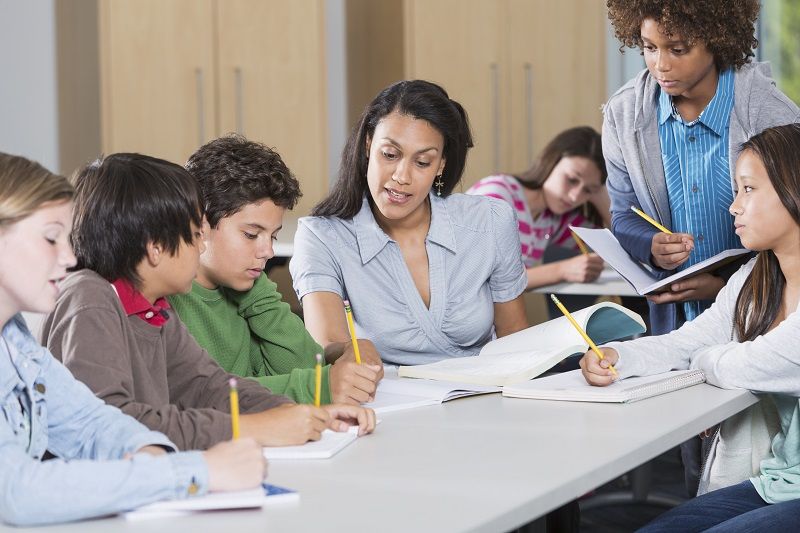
(668,250)
(582,332)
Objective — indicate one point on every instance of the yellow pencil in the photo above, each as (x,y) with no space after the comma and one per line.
(589,341)
(650,220)
(318,380)
(580,243)
(352,328)
(234,408)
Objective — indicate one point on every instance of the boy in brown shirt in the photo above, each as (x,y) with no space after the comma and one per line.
(137,239)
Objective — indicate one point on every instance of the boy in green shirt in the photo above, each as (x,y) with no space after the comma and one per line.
(234,311)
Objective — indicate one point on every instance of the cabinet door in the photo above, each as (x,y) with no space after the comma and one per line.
(557,63)
(272,83)
(157,76)
(457,44)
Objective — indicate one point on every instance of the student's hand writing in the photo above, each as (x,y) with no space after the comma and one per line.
(369,354)
(344,416)
(699,287)
(581,268)
(352,383)
(235,465)
(285,425)
(595,371)
(670,250)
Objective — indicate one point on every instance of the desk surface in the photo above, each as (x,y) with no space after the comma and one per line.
(477,464)
(610,283)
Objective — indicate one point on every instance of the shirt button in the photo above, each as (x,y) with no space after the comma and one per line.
(148,315)
(695,189)
(700,237)
(692,138)
(546,235)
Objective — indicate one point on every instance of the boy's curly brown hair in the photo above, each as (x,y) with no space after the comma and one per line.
(726,27)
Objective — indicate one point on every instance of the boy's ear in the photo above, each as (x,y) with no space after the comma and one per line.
(205,228)
(154,253)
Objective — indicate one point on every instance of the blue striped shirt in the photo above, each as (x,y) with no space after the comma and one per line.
(473,263)
(697,170)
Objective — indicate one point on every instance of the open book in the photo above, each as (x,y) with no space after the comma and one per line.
(526,354)
(603,242)
(396,394)
(216,501)
(571,386)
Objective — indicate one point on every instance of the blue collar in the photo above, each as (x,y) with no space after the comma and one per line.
(715,116)
(372,239)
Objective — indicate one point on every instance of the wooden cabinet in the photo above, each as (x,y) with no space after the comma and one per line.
(523,69)
(177,74)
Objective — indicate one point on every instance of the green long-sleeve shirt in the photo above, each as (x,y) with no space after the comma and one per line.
(255,334)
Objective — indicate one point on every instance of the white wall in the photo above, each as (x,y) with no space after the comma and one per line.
(28,98)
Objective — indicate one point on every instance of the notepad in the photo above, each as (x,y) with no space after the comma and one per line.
(396,394)
(216,501)
(571,386)
(331,443)
(528,353)
(639,276)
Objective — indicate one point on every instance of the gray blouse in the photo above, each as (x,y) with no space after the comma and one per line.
(474,262)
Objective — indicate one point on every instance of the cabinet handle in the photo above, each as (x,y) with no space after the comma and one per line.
(201,112)
(495,115)
(237,73)
(529,110)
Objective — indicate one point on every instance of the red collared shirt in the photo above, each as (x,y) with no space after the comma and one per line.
(135,304)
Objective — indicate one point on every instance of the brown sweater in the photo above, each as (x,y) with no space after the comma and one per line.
(160,376)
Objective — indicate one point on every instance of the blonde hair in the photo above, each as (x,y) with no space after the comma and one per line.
(25,186)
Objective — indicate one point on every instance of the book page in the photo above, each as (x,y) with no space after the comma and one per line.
(215,501)
(572,386)
(492,370)
(604,244)
(329,445)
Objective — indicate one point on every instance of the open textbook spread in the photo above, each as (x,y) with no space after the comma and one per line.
(396,394)
(571,386)
(526,354)
(604,244)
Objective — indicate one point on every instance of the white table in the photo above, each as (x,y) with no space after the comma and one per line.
(610,283)
(477,464)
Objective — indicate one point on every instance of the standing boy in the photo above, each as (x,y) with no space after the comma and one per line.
(671,137)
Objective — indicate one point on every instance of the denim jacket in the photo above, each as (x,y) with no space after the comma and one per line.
(43,408)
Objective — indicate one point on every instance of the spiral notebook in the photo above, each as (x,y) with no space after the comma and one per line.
(572,387)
